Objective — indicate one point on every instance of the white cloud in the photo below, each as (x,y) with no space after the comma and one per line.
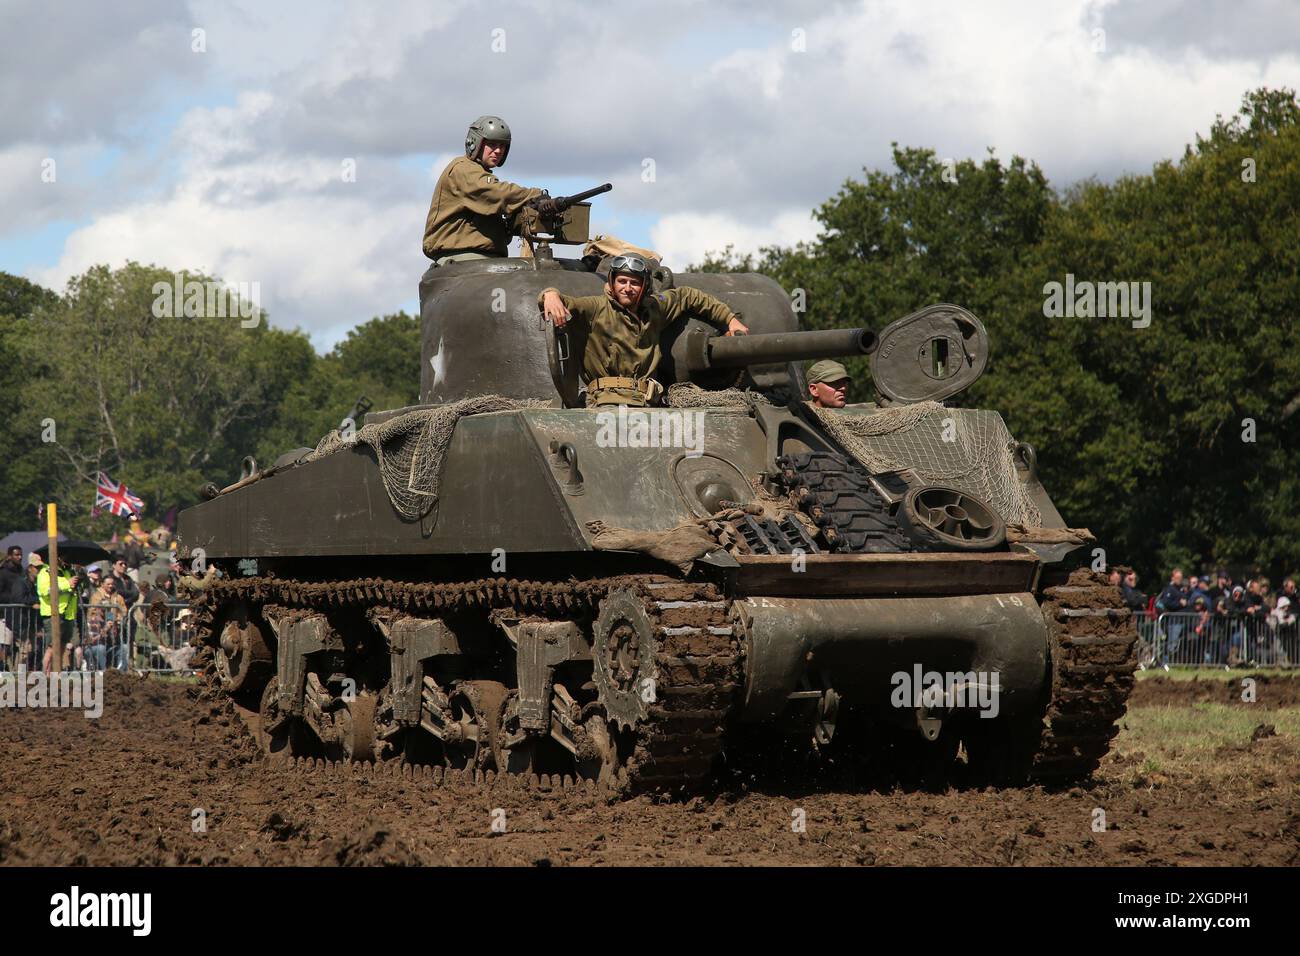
(684,238)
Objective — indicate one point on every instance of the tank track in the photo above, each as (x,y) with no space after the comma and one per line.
(697,657)
(1093,648)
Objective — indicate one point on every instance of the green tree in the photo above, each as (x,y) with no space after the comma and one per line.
(18,446)
(104,378)
(161,403)
(378,360)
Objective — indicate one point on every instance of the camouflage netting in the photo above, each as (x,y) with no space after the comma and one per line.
(688,395)
(410,448)
(977,459)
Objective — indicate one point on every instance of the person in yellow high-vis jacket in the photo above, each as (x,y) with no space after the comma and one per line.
(67,612)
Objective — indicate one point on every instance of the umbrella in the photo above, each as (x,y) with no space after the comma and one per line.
(26,540)
(76,552)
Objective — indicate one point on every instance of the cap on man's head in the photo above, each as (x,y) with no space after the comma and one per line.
(827,370)
(94,569)
(35,559)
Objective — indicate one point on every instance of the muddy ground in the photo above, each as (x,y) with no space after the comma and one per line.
(123,790)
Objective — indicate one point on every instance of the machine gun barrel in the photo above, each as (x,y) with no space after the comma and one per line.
(739,350)
(564,202)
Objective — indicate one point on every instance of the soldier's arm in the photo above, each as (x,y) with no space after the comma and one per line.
(683,301)
(560,309)
(483,193)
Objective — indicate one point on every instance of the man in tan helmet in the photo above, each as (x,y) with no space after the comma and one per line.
(623,327)
(828,384)
(468,216)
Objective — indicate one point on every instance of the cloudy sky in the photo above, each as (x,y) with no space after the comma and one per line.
(216,135)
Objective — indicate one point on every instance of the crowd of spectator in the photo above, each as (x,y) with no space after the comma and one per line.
(112,614)
(1210,619)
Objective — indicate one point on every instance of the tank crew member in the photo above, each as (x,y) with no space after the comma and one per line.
(468,214)
(828,383)
(624,325)
(189,585)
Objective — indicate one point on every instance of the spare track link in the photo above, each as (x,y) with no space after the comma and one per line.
(697,656)
(837,494)
(1094,657)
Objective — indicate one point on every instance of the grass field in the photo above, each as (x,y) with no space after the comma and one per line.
(1206,738)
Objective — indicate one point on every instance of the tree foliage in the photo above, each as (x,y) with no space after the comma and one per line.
(166,404)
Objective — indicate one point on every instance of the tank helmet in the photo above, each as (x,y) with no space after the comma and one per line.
(486,128)
(629,264)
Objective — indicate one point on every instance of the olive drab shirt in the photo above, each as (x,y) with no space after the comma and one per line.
(623,343)
(468,210)
(188,585)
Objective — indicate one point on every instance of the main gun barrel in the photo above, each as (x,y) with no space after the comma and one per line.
(736,351)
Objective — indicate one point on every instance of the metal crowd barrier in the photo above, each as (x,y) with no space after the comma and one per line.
(1191,639)
(22,643)
(106,636)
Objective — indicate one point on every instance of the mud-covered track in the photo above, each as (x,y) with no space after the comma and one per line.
(696,661)
(1093,651)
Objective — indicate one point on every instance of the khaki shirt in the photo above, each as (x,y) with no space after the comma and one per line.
(623,343)
(189,584)
(468,210)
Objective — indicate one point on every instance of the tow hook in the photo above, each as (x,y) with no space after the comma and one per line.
(929,720)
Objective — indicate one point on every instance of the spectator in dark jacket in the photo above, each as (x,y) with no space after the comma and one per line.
(1172,600)
(13,589)
(1133,598)
(1238,623)
(1201,629)
(28,650)
(125,586)
(1222,588)
(11,577)
(94,578)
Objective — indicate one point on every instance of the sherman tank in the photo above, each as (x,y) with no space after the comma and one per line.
(499,580)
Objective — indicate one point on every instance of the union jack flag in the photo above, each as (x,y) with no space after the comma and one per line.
(117,498)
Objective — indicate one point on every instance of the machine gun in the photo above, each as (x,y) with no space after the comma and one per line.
(562,203)
(568,221)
